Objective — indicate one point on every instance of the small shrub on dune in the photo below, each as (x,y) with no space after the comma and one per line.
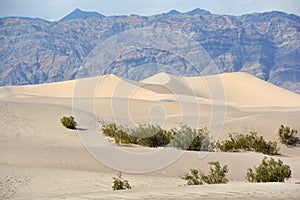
(151,135)
(68,122)
(120,183)
(145,134)
(287,135)
(217,175)
(193,178)
(110,129)
(118,133)
(269,171)
(248,142)
(190,139)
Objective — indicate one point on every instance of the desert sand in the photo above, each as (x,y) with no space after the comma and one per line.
(41,159)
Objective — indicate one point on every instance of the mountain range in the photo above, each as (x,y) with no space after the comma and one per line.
(85,44)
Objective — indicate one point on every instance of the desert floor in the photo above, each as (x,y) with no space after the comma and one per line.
(41,159)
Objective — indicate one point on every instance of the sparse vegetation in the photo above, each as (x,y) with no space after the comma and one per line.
(120,183)
(248,142)
(187,138)
(145,134)
(110,129)
(269,171)
(191,139)
(151,135)
(118,133)
(287,135)
(154,136)
(68,122)
(216,175)
(193,178)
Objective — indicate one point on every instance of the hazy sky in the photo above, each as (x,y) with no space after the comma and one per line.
(56,9)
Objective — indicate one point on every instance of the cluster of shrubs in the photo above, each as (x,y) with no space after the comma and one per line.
(187,138)
(269,170)
(198,140)
(145,134)
(154,136)
(248,142)
(216,175)
(190,139)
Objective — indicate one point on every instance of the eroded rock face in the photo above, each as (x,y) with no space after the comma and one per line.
(85,44)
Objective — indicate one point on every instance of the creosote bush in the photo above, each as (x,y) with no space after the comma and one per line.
(269,171)
(154,136)
(110,129)
(193,178)
(217,175)
(248,142)
(191,139)
(120,183)
(68,122)
(150,135)
(287,135)
(145,134)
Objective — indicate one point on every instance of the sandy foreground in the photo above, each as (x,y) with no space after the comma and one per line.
(40,159)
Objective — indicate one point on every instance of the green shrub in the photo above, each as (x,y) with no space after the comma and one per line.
(216,175)
(151,135)
(145,134)
(68,122)
(154,136)
(287,135)
(269,171)
(193,178)
(248,142)
(119,183)
(190,139)
(118,133)
(110,129)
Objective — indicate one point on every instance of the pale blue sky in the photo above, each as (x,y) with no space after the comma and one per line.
(56,9)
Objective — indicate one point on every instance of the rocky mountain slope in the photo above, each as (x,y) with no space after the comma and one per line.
(85,44)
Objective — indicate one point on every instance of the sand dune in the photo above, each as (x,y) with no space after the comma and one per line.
(41,159)
(239,88)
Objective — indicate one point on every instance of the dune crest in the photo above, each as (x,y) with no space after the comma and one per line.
(240,88)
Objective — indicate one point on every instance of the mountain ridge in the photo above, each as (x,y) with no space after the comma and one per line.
(263,44)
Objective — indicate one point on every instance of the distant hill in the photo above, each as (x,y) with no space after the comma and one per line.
(79,14)
(173,12)
(84,44)
(198,11)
